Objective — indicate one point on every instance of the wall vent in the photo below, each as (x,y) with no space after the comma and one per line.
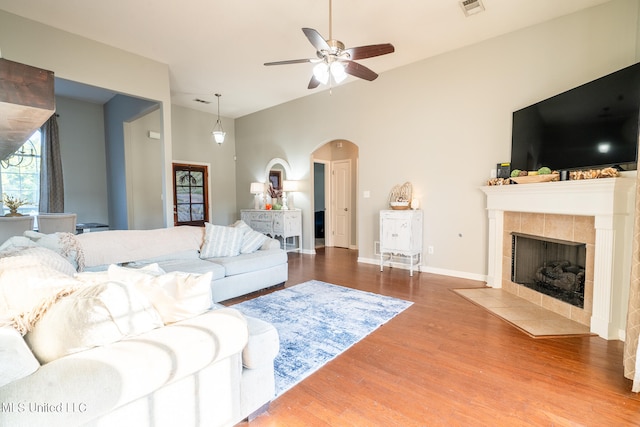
(471,7)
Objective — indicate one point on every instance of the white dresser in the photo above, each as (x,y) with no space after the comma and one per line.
(285,224)
(401,234)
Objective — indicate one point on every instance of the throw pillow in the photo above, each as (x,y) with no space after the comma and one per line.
(34,256)
(64,244)
(93,316)
(175,295)
(221,241)
(251,240)
(16,359)
(24,285)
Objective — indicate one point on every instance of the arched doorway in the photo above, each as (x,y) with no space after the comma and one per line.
(335,172)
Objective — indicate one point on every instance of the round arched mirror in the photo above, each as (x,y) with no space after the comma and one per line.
(276,172)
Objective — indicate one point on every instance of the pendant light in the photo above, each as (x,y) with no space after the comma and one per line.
(218,132)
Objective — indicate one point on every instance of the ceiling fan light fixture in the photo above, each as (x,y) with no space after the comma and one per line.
(218,132)
(337,72)
(321,72)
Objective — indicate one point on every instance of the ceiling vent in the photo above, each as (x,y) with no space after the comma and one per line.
(202,101)
(471,7)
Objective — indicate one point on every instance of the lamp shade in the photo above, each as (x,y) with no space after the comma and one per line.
(257,187)
(288,185)
(218,136)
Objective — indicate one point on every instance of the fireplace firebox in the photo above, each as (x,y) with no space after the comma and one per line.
(553,267)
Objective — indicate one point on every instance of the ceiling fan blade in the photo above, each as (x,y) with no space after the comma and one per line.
(313,83)
(363,52)
(316,39)
(290,61)
(357,70)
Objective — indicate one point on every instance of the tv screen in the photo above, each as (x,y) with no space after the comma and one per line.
(590,126)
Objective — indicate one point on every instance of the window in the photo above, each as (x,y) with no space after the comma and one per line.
(20,175)
(190,194)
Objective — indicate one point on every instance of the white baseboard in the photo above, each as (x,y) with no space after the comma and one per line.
(427,269)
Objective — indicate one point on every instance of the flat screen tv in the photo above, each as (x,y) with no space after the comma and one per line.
(591,126)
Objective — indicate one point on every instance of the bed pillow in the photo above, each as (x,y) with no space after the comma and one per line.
(251,239)
(16,359)
(93,316)
(221,241)
(175,295)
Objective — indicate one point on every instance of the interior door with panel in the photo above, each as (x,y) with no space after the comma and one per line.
(341,174)
(190,190)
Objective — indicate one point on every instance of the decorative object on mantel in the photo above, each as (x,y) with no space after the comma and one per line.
(13,203)
(400,196)
(594,173)
(528,179)
(499,181)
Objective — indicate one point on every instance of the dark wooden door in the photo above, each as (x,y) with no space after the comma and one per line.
(190,190)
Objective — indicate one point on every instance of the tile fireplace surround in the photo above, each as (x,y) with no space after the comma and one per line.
(598,212)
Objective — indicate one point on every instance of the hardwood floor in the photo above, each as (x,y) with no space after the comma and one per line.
(447,362)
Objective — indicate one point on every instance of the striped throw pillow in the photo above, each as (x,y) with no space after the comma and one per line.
(220,241)
(251,240)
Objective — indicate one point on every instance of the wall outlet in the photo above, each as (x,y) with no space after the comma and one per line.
(430,250)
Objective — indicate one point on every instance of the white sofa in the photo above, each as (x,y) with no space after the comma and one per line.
(126,365)
(182,249)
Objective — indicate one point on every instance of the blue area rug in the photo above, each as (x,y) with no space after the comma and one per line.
(316,322)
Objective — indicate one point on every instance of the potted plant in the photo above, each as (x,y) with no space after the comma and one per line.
(13,203)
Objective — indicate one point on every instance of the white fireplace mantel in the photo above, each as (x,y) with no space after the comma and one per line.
(610,201)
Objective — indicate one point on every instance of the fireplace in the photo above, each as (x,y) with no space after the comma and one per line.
(598,212)
(552,267)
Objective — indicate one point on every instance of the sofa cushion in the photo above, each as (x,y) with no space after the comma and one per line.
(221,241)
(255,261)
(251,240)
(199,266)
(175,295)
(16,359)
(92,316)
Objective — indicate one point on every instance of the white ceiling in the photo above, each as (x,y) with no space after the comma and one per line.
(219,46)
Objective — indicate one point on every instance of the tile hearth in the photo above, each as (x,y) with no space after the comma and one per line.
(531,318)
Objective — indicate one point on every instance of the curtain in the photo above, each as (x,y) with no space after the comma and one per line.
(631,359)
(51,184)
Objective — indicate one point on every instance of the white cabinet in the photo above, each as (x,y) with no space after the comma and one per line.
(285,224)
(401,234)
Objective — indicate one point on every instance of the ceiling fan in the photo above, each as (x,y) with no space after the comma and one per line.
(334,61)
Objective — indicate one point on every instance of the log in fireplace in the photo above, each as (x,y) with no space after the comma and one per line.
(553,267)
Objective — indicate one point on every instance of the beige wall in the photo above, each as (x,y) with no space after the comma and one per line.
(144,184)
(193,144)
(442,124)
